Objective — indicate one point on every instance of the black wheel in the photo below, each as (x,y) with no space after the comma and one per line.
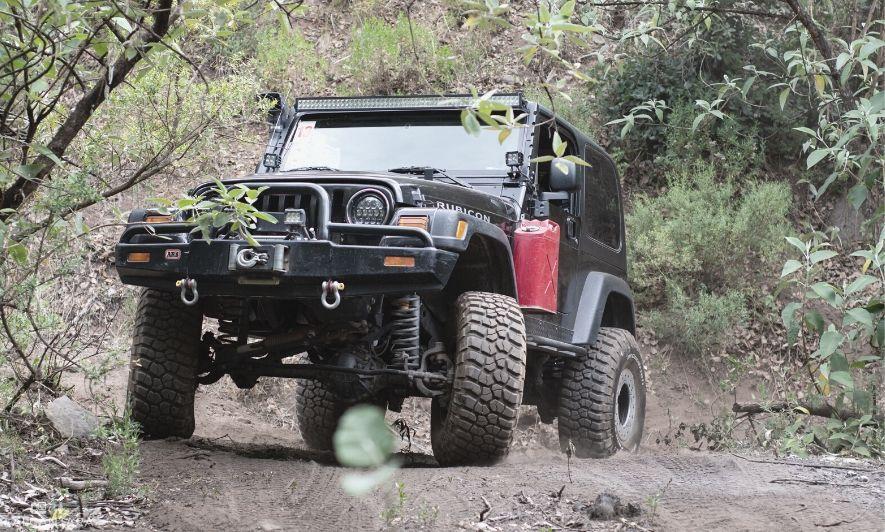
(163,366)
(317,410)
(476,425)
(602,400)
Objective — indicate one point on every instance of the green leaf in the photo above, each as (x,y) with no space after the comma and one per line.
(829,342)
(827,292)
(363,438)
(470,123)
(843,378)
(697,121)
(542,159)
(822,255)
(816,156)
(265,216)
(357,484)
(796,243)
(46,152)
(814,321)
(857,195)
(807,131)
(19,253)
(559,145)
(577,160)
(788,315)
(221,219)
(782,98)
(858,315)
(859,284)
(790,266)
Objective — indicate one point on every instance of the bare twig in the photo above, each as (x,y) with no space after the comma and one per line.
(80,485)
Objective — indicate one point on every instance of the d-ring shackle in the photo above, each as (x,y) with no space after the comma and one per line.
(331,288)
(188,284)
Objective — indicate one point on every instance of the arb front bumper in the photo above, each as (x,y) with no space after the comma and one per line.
(160,255)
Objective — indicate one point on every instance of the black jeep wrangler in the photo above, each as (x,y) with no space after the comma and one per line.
(409,258)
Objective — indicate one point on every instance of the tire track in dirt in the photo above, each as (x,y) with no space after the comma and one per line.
(241,473)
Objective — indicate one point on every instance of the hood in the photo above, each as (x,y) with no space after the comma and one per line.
(408,190)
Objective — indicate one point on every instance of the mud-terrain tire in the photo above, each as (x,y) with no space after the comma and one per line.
(476,427)
(163,365)
(318,411)
(602,399)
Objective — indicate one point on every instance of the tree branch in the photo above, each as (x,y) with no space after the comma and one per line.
(820,410)
(111,77)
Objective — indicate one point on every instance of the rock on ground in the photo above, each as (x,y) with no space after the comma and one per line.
(71,419)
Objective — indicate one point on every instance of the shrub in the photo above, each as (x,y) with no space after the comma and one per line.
(121,458)
(382,59)
(694,251)
(697,325)
(704,232)
(287,62)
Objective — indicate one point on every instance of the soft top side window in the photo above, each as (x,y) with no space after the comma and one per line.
(602,202)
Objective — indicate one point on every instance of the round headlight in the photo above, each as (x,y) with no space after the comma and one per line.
(368,207)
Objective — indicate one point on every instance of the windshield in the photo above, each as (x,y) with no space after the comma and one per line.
(381,141)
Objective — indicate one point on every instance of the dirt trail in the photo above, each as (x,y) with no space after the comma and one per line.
(240,473)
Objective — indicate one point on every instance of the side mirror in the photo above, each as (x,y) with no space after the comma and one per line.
(276,105)
(563,175)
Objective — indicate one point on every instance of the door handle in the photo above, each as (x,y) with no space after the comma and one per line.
(571,228)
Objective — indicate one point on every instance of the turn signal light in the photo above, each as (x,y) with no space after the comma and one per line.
(401,262)
(461,230)
(419,222)
(139,256)
(158,219)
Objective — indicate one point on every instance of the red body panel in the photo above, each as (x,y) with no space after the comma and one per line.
(536,261)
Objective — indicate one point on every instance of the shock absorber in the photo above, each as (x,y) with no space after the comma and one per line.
(405,319)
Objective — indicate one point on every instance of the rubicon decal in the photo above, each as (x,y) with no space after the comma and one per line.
(457,208)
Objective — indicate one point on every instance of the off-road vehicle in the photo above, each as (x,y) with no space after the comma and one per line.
(409,258)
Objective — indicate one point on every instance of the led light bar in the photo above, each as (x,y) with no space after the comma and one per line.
(401,102)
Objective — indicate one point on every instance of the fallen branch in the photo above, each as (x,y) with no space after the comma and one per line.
(52,459)
(485,511)
(813,466)
(80,485)
(821,410)
(812,483)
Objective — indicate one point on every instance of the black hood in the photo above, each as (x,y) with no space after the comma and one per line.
(409,190)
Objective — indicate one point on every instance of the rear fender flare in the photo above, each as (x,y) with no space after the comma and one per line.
(603,290)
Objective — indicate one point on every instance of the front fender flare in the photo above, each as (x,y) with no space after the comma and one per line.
(444,227)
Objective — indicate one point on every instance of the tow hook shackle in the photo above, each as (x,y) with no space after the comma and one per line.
(248,257)
(333,289)
(188,285)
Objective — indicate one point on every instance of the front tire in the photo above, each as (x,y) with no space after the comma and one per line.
(602,399)
(163,365)
(318,411)
(477,424)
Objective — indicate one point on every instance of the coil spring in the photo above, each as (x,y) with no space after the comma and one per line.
(405,314)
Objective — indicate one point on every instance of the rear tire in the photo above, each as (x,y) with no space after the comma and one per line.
(163,365)
(477,424)
(602,400)
(318,411)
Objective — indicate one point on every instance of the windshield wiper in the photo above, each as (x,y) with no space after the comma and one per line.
(313,169)
(429,171)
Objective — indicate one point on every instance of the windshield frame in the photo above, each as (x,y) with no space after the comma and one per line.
(521,134)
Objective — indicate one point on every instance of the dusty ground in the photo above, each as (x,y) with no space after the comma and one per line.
(247,469)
